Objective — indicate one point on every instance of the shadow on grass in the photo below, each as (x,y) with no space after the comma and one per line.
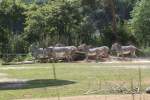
(40,83)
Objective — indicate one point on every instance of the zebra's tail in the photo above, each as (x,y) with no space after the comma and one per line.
(140,51)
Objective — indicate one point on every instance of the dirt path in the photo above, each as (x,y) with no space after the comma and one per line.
(99,97)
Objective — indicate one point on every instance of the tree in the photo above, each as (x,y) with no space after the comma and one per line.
(105,14)
(11,25)
(140,22)
(58,21)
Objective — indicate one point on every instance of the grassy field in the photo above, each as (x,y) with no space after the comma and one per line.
(72,79)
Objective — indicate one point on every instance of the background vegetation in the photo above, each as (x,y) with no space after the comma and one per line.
(72,22)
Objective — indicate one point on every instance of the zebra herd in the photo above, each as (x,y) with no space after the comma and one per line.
(58,52)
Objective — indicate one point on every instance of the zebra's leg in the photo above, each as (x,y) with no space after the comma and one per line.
(87,58)
(53,58)
(134,55)
(108,56)
(130,56)
(99,55)
(34,60)
(71,55)
(118,54)
(68,58)
(71,59)
(122,55)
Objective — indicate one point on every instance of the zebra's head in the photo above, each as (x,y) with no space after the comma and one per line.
(116,47)
(82,47)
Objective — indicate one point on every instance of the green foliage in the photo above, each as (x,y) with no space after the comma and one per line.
(100,18)
(11,26)
(66,22)
(57,21)
(124,7)
(125,37)
(141,22)
(71,22)
(19,58)
(19,45)
(28,57)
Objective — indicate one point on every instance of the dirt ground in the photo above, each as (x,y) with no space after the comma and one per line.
(99,97)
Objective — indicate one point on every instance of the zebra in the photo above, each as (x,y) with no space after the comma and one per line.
(61,52)
(38,52)
(123,50)
(102,51)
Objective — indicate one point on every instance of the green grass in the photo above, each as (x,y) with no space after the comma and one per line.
(72,79)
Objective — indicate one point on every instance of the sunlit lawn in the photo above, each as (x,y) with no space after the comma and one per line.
(72,78)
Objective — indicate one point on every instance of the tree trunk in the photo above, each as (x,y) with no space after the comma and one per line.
(114,22)
(113,16)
